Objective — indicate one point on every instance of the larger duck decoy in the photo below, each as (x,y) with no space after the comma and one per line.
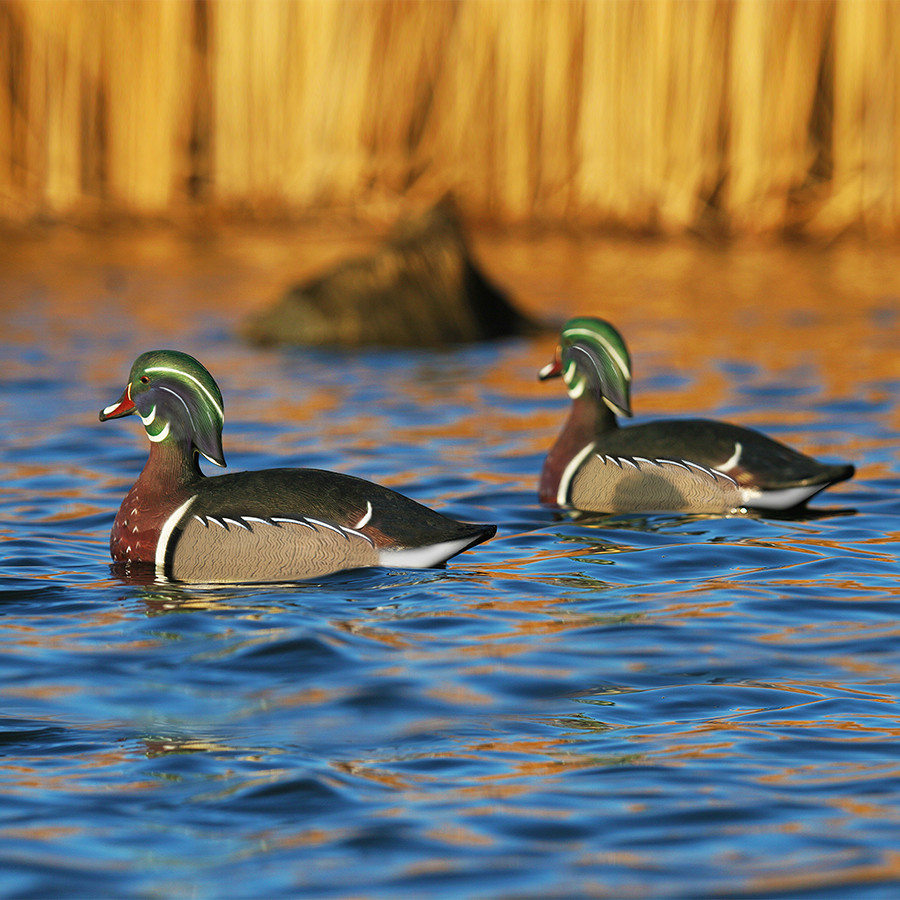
(680,465)
(258,526)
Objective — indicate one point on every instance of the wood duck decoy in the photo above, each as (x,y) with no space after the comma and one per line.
(263,526)
(679,465)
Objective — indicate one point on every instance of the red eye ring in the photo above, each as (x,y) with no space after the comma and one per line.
(145,379)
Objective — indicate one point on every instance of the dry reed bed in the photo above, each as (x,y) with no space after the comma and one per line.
(657,115)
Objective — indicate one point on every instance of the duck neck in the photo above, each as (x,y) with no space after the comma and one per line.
(167,480)
(587,421)
(171,466)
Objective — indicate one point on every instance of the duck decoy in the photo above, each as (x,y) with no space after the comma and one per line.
(256,526)
(677,465)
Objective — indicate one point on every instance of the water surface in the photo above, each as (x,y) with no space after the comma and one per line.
(628,706)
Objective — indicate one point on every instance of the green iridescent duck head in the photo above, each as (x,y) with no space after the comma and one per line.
(177,400)
(592,356)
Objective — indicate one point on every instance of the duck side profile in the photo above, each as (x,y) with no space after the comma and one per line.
(668,465)
(263,526)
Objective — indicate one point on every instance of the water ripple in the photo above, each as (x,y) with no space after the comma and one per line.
(595,706)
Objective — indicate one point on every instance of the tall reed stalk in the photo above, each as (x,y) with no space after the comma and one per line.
(739,116)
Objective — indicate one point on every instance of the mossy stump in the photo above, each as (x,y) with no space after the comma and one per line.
(420,287)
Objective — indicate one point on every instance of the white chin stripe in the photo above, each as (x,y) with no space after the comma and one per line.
(156,438)
(578,389)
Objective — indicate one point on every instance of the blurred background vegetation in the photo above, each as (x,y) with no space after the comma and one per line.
(726,117)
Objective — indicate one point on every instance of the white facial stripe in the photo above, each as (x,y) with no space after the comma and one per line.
(607,346)
(196,381)
(156,438)
(187,409)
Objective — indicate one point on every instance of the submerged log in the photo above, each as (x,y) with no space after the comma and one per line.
(421,287)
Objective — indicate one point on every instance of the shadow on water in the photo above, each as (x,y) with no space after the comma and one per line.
(649,704)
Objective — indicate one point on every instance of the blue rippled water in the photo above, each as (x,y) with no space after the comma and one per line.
(629,706)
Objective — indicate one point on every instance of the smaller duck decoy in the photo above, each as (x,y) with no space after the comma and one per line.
(677,465)
(259,526)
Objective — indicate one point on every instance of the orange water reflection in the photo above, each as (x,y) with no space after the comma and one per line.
(778,306)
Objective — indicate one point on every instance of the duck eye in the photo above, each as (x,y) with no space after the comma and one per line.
(145,379)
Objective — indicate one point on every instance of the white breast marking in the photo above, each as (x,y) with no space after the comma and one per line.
(165,534)
(569,473)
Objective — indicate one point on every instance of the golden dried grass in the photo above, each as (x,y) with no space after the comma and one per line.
(745,116)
